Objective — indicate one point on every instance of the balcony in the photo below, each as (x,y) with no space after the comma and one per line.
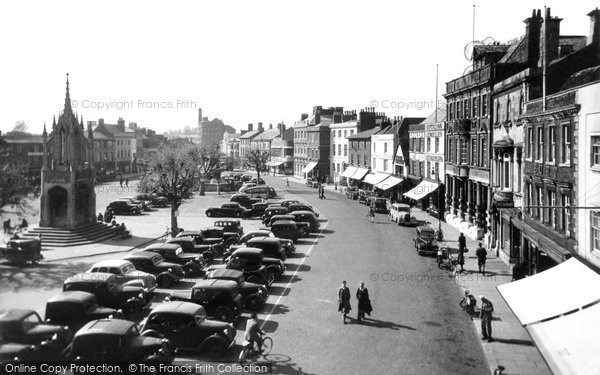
(469,80)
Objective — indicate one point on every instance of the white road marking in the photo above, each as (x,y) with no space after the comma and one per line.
(293,276)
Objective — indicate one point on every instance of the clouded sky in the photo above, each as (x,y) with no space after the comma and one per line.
(156,63)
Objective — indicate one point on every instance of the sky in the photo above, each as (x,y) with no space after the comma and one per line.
(157,62)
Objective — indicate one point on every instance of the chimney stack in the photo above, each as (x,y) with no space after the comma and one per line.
(270,126)
(260,127)
(303,116)
(550,36)
(199,115)
(121,125)
(594,37)
(250,127)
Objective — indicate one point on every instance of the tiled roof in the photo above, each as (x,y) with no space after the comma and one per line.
(22,138)
(441,116)
(366,133)
(582,77)
(249,135)
(267,135)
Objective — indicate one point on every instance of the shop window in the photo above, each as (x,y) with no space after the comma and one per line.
(566,145)
(596,152)
(595,230)
(540,144)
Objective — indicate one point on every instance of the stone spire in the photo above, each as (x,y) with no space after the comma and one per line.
(67,108)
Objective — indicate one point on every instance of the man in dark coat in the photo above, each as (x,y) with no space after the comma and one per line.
(364,303)
(344,300)
(486,318)
(462,246)
(481,254)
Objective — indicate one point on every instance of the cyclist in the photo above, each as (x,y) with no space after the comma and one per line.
(254,333)
(371,214)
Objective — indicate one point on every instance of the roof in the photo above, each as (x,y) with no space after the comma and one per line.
(249,135)
(15,315)
(248,250)
(320,126)
(215,283)
(168,246)
(106,326)
(186,308)
(267,135)
(112,263)
(582,77)
(225,272)
(511,54)
(20,137)
(94,277)
(263,239)
(366,133)
(344,124)
(441,116)
(141,254)
(71,296)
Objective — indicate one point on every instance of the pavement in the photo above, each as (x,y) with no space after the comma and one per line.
(512,348)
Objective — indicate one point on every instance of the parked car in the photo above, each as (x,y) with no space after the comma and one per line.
(425,242)
(228,238)
(261,191)
(307,216)
(311,182)
(254,295)
(109,292)
(190,246)
(166,273)
(252,267)
(25,337)
(125,273)
(119,341)
(271,247)
(258,209)
(364,195)
(22,250)
(400,214)
(379,204)
(287,202)
(286,244)
(258,181)
(122,207)
(192,264)
(271,211)
(202,239)
(255,256)
(142,204)
(153,199)
(302,207)
(276,218)
(74,309)
(244,200)
(287,229)
(220,298)
(231,209)
(245,186)
(186,327)
(230,225)
(351,192)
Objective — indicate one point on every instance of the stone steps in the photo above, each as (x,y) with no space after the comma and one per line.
(83,235)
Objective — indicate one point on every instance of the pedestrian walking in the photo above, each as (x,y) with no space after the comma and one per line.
(7,226)
(127,182)
(462,247)
(121,181)
(487,308)
(364,303)
(344,300)
(287,182)
(322,192)
(481,254)
(468,303)
(371,214)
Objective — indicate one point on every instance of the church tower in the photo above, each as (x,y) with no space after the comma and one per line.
(68,199)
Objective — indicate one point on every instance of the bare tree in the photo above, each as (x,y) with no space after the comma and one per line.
(174,171)
(257,160)
(210,159)
(16,186)
(20,127)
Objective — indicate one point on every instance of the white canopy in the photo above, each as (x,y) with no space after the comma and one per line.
(374,178)
(570,344)
(565,287)
(349,171)
(360,173)
(420,191)
(309,167)
(388,183)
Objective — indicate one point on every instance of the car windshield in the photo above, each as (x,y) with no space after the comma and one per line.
(157,259)
(30,321)
(427,235)
(199,317)
(127,267)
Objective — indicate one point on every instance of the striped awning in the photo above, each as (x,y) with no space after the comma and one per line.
(349,172)
(360,173)
(309,167)
(422,190)
(388,183)
(375,178)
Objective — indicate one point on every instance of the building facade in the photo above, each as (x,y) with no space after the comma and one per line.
(245,142)
(318,145)
(282,151)
(115,147)
(340,146)
(210,133)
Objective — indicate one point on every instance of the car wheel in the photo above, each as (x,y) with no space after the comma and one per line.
(224,314)
(252,302)
(164,281)
(214,347)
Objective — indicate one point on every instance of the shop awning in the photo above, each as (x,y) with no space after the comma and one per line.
(309,167)
(374,178)
(563,288)
(349,171)
(276,163)
(388,183)
(421,190)
(570,343)
(360,173)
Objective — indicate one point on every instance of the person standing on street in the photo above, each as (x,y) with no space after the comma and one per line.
(371,214)
(287,183)
(127,182)
(344,300)
(481,254)
(121,181)
(364,303)
(468,303)
(486,318)
(462,246)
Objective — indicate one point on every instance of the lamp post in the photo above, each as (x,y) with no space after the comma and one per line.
(440,234)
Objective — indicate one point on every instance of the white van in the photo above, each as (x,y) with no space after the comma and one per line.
(261,191)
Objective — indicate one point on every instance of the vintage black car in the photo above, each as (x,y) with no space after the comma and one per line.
(231,209)
(166,273)
(118,340)
(307,216)
(287,202)
(154,199)
(123,207)
(230,226)
(380,205)
(254,295)
(24,336)
(425,242)
(189,245)
(22,250)
(216,245)
(140,203)
(258,208)
(109,292)
(186,327)
(272,211)
(287,229)
(228,238)
(351,192)
(192,264)
(244,199)
(270,246)
(286,244)
(74,309)
(220,298)
(251,256)
(276,218)
(302,207)
(126,273)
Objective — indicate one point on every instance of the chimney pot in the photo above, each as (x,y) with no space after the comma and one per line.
(594,36)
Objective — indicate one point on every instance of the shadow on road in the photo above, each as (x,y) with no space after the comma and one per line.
(296,267)
(327,231)
(290,279)
(275,309)
(514,341)
(381,324)
(44,276)
(279,290)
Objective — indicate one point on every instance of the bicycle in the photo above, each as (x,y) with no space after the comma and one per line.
(250,350)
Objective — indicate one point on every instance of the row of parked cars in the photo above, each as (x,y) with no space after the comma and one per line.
(110,312)
(135,205)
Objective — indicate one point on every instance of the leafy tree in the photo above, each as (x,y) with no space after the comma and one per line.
(210,159)
(174,170)
(16,187)
(257,160)
(20,127)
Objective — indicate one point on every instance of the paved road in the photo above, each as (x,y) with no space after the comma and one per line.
(416,326)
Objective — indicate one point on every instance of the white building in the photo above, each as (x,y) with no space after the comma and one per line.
(339,148)
(383,148)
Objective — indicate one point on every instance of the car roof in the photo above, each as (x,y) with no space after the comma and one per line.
(14,315)
(284,216)
(400,205)
(302,212)
(263,239)
(225,272)
(423,228)
(248,250)
(216,283)
(140,254)
(228,220)
(111,263)
(167,246)
(240,195)
(71,296)
(283,222)
(189,233)
(95,277)
(180,307)
(180,239)
(264,232)
(106,326)
(276,208)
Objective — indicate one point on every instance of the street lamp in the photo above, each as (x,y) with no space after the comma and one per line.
(440,234)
